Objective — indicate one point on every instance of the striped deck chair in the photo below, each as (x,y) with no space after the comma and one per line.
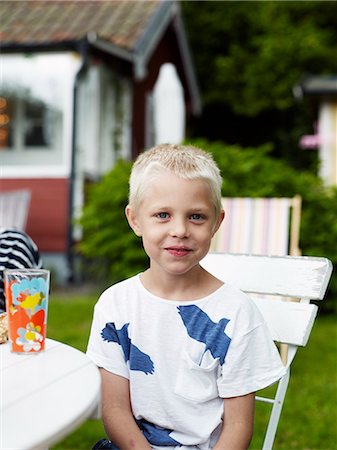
(14,207)
(259,226)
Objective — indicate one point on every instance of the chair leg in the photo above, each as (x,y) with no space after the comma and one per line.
(276,412)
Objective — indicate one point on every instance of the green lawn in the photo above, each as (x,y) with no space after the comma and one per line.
(309,417)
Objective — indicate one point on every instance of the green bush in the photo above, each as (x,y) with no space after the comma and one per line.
(112,251)
(116,253)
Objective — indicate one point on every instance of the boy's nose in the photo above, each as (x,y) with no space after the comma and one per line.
(179,229)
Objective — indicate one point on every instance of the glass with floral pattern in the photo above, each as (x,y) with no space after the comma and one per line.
(27,292)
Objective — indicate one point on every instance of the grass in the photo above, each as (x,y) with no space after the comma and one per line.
(309,416)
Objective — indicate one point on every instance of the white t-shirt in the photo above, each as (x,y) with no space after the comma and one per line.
(182,357)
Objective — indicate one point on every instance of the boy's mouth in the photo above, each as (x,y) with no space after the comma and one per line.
(178,251)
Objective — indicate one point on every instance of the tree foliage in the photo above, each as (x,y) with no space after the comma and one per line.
(249,55)
(248,58)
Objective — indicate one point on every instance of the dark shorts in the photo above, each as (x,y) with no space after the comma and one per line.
(104,444)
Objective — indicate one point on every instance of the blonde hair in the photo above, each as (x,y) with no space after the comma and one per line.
(185,161)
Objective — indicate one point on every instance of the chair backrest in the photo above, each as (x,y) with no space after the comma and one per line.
(14,207)
(260,226)
(303,278)
(300,277)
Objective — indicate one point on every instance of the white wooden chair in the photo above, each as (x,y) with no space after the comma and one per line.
(14,207)
(259,226)
(303,278)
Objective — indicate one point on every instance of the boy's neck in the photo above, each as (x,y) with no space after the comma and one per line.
(187,287)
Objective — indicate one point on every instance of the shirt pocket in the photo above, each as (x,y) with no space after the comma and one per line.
(197,383)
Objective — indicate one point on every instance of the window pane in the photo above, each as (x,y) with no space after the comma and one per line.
(38,124)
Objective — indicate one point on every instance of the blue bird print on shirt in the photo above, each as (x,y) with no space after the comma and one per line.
(200,327)
(156,435)
(138,360)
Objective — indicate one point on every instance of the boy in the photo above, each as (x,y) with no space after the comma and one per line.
(180,352)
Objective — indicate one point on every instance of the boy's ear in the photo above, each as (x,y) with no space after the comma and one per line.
(218,222)
(132,219)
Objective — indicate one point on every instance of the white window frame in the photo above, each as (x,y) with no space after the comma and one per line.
(18,131)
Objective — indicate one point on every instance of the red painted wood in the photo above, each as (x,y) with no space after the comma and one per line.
(48,212)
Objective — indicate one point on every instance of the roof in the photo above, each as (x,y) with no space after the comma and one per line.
(317,85)
(128,29)
(32,22)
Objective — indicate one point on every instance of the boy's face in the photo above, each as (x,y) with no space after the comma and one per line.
(176,220)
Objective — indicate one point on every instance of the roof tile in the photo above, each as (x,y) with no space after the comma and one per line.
(120,22)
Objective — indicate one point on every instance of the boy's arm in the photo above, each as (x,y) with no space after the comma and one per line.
(118,420)
(238,423)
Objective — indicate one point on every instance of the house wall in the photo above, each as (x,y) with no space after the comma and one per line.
(103,127)
(48,213)
(47,222)
(167,51)
(47,78)
(103,120)
(169,107)
(327,124)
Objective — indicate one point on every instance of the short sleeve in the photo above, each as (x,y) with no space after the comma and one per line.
(105,353)
(252,362)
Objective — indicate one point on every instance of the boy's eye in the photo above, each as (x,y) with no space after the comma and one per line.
(197,217)
(162,215)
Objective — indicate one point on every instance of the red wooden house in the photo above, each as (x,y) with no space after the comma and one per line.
(85,82)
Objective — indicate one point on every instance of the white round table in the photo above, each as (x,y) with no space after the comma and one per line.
(43,397)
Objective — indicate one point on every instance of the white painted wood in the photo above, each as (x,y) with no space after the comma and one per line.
(169,106)
(327,126)
(300,276)
(14,207)
(45,396)
(288,322)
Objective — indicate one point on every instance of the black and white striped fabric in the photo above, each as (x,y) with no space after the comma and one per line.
(17,251)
